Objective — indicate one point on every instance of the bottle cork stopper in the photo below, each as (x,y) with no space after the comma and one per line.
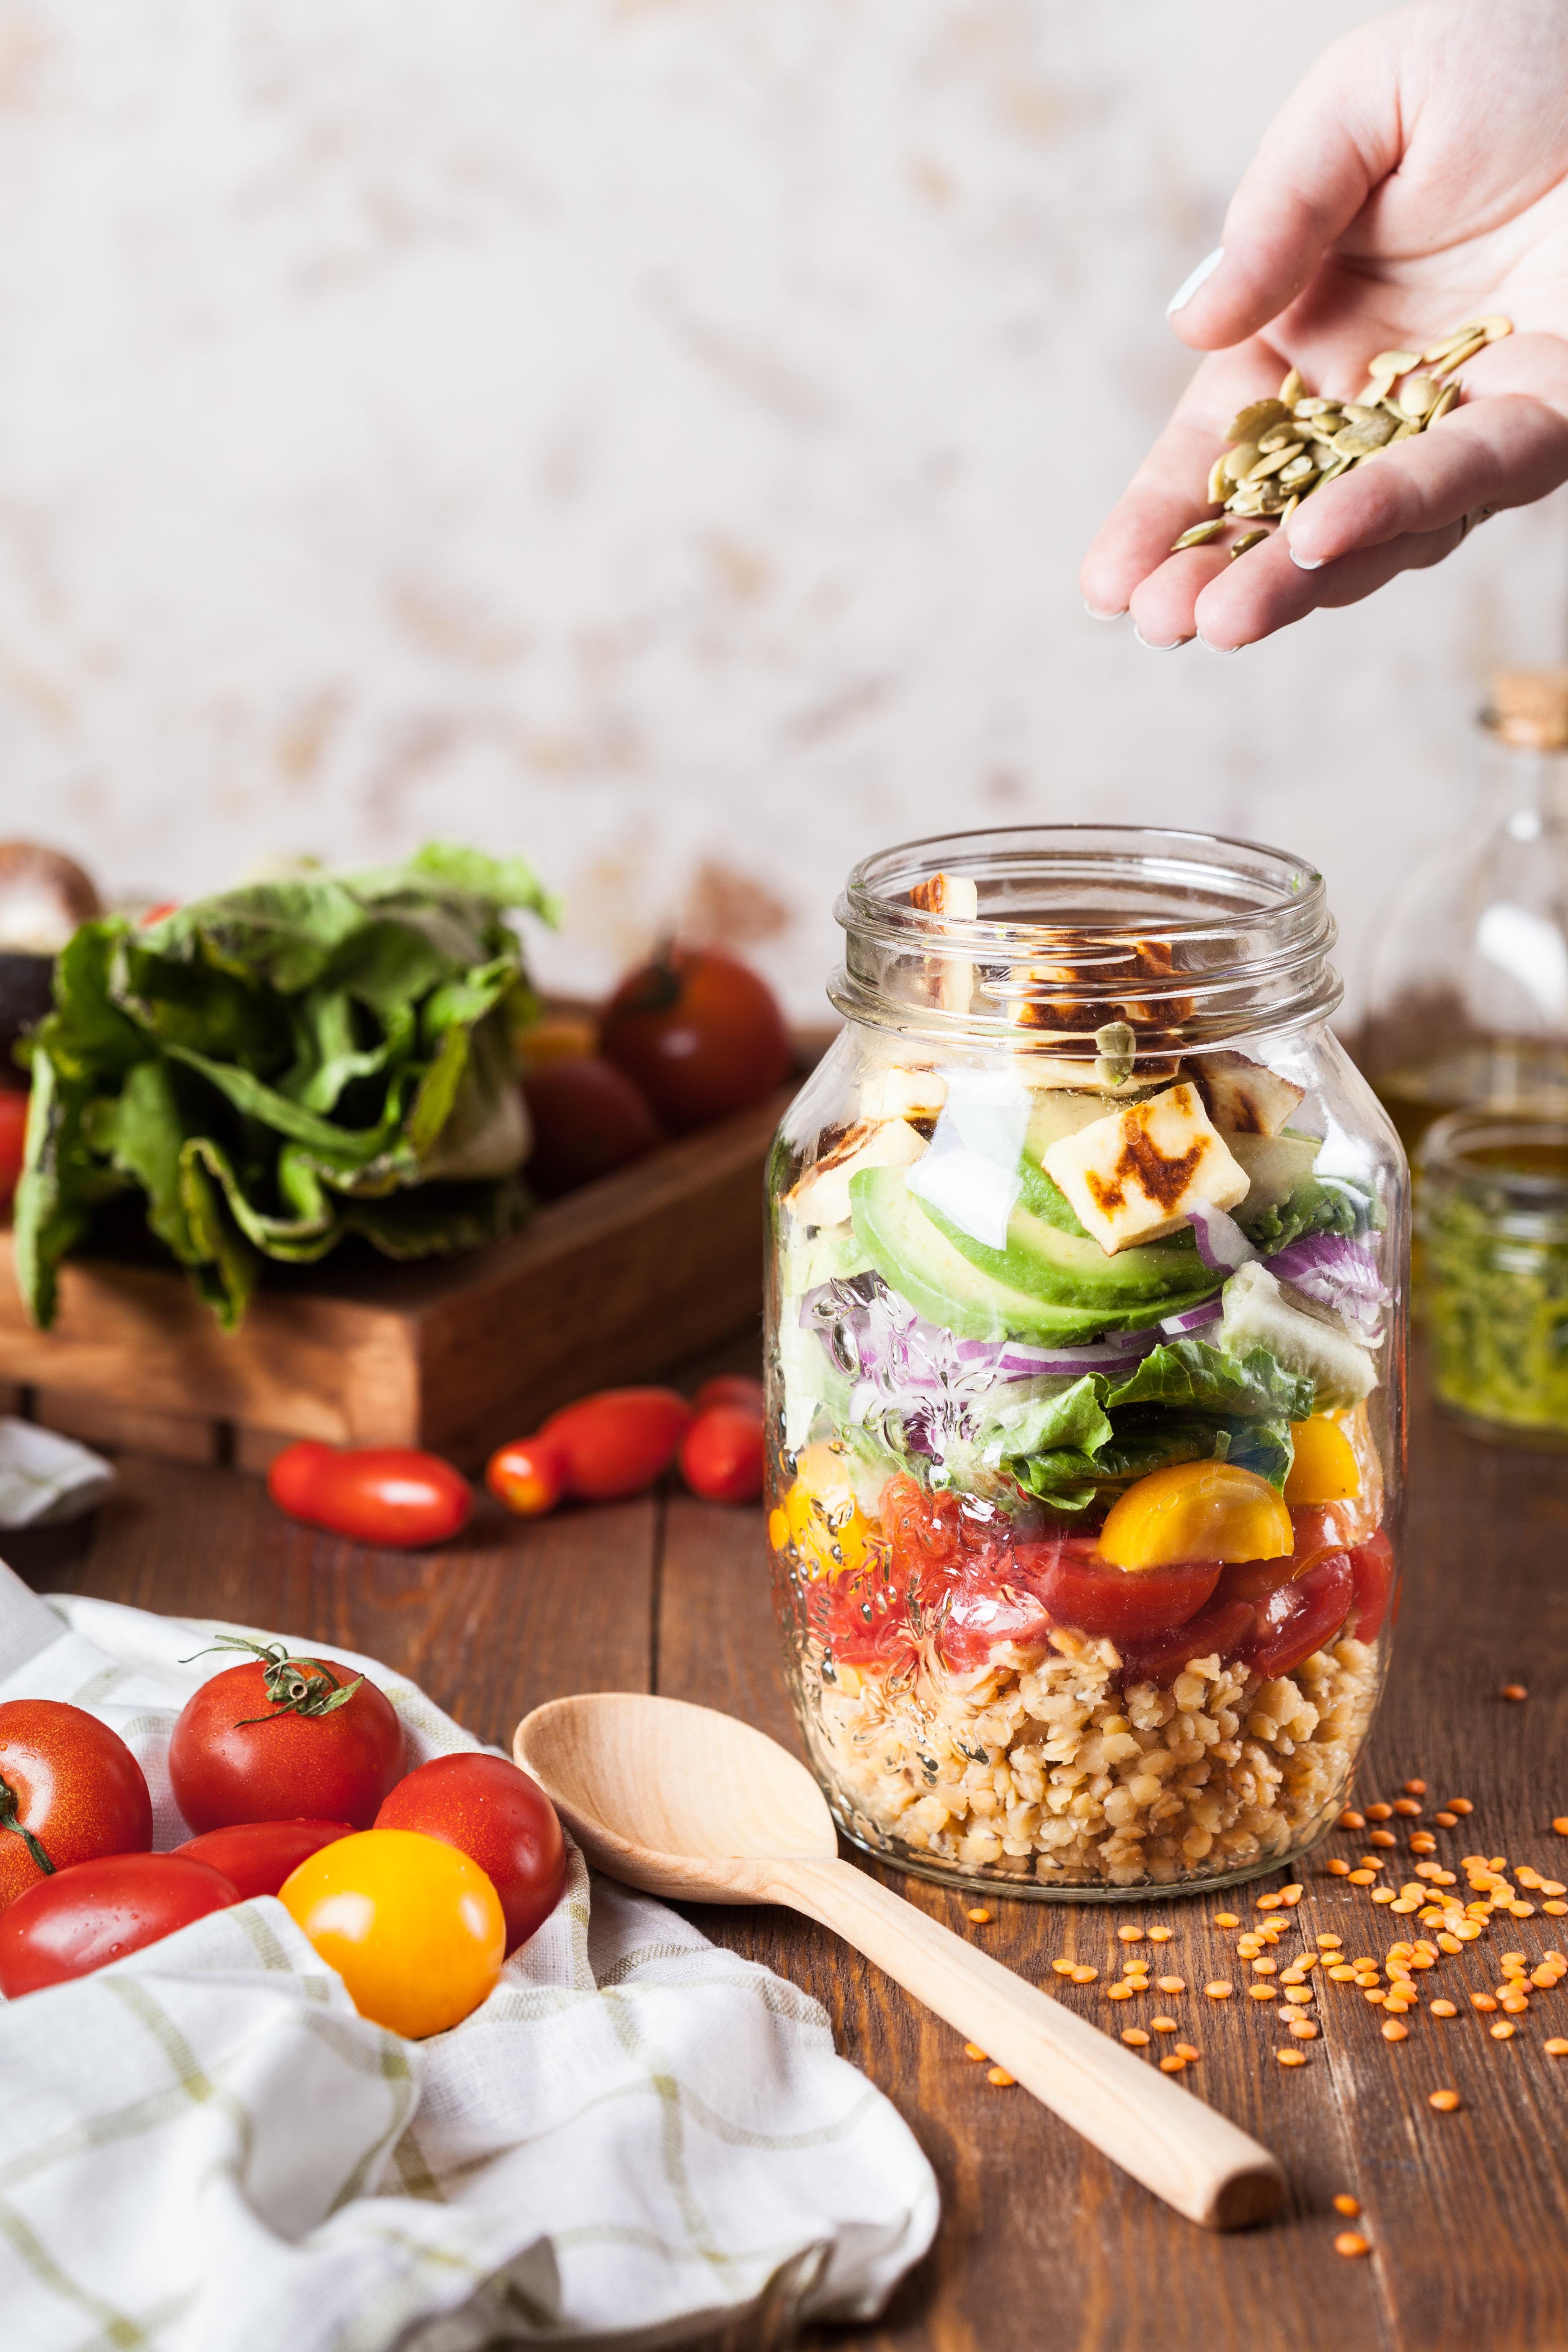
(1530,707)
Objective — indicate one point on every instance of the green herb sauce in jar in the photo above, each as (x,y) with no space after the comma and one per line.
(1492,1215)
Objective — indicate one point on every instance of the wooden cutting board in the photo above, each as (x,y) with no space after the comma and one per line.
(620,1281)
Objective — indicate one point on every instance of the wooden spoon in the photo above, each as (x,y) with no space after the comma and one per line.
(683,1801)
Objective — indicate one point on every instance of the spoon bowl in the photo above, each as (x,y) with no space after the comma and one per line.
(685,1803)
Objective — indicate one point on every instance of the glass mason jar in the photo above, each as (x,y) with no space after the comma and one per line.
(1085,1364)
(1493,1218)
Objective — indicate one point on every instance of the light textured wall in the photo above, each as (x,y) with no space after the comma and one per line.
(657,433)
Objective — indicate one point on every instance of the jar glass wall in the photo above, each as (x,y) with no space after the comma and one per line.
(1085,1353)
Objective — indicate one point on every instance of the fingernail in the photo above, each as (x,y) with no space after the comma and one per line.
(1216,649)
(1199,277)
(1305,563)
(1153,649)
(1096,613)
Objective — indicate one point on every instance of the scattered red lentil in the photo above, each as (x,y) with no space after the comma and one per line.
(1172,1984)
(1350,1820)
(1395,2031)
(1271,1902)
(1338,1869)
(1159,1935)
(1561,1824)
(1062,1968)
(1188,2051)
(1382,1838)
(1379,1894)
(1556,2047)
(1303,2029)
(1482,2000)
(1514,1691)
(973,2050)
(979,1916)
(1001,2077)
(1407,1806)
(1226,1919)
(1351,2241)
(1260,1992)
(1379,1813)
(1119,1992)
(1446,1820)
(1085,1975)
(1135,2038)
(1219,1989)
(1444,2101)
(1172,2064)
(1295,2057)
(1503,2030)
(1291,1895)
(1363,1878)
(1164,2024)
(1130,1935)
(1347,2205)
(1328,1942)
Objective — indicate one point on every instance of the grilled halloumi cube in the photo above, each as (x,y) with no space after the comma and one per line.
(956,898)
(1244,1098)
(900,1091)
(1137,1175)
(821,1197)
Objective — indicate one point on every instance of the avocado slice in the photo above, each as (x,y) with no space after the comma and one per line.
(1046,1285)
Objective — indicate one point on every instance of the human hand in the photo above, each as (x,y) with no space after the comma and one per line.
(1417,179)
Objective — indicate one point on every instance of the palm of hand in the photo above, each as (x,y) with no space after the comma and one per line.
(1470,219)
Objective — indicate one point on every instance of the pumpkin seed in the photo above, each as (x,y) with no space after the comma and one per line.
(1392,362)
(1219,482)
(1298,470)
(1292,388)
(1441,405)
(1248,539)
(1466,351)
(1239,461)
(1360,440)
(1255,421)
(1199,532)
(1315,406)
(1272,464)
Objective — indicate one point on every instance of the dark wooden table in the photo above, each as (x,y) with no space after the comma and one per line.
(1042,2242)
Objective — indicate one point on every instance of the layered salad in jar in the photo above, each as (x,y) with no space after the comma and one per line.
(1080,1383)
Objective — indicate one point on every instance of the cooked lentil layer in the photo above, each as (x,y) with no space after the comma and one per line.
(1044,1766)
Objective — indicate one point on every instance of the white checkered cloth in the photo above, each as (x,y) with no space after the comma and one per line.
(205,2148)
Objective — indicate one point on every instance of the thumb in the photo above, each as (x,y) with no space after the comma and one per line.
(1337,136)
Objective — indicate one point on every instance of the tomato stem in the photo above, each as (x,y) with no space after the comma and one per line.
(10,1819)
(294,1685)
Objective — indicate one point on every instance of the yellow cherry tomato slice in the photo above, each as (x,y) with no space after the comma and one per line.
(1195,1510)
(414,1928)
(822,1516)
(1325,1469)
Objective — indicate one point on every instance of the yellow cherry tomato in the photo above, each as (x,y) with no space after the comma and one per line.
(822,1516)
(414,1928)
(1195,1510)
(1325,1469)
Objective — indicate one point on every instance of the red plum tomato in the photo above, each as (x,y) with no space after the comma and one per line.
(731,1387)
(274,1740)
(257,1856)
(699,1034)
(500,1819)
(617,1443)
(588,1119)
(529,1476)
(12,1140)
(1218,1628)
(722,1455)
(98,1911)
(71,1785)
(394,1496)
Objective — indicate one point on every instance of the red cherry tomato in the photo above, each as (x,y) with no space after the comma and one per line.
(699,1034)
(12,1140)
(723,1454)
(391,1496)
(257,1856)
(617,1443)
(499,1819)
(98,1911)
(73,1785)
(588,1119)
(529,1476)
(274,1740)
(1372,1564)
(731,1387)
(1297,1618)
(1082,1591)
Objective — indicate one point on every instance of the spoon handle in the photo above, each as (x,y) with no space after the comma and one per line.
(1172,2143)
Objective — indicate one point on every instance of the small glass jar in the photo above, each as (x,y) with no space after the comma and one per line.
(1085,1363)
(1493,1220)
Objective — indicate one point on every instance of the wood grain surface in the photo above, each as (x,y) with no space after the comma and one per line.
(1043,2242)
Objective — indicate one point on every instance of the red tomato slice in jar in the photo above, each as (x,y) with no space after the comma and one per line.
(1086,1593)
(1216,1631)
(1297,1618)
(1371,1565)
